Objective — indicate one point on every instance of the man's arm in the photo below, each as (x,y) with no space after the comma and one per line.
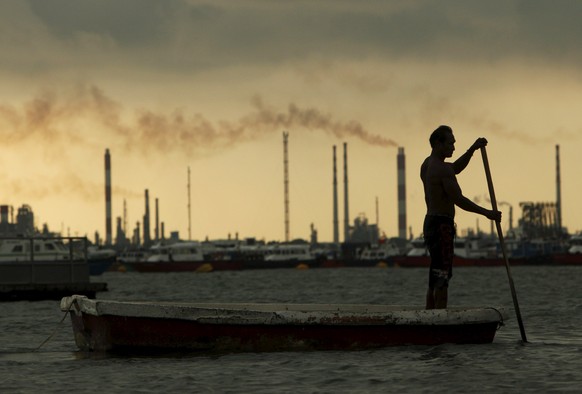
(468,205)
(453,190)
(461,163)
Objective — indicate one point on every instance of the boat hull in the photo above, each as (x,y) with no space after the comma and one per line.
(567,259)
(236,264)
(212,265)
(100,265)
(133,327)
(184,266)
(458,261)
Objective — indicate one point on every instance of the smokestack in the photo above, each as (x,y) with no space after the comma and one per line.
(136,239)
(286,183)
(335,204)
(146,220)
(157,230)
(125,216)
(108,233)
(189,210)
(4,209)
(558,190)
(400,161)
(120,240)
(346,203)
(377,213)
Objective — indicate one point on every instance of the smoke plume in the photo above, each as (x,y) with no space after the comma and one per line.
(51,118)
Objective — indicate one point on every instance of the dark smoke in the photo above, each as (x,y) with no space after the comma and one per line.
(50,118)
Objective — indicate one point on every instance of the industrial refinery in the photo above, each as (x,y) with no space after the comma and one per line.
(361,231)
(538,220)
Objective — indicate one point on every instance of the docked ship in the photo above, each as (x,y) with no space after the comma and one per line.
(217,256)
(33,268)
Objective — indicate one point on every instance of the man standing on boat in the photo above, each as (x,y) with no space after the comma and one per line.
(442,192)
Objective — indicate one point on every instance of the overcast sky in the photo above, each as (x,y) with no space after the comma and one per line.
(211,85)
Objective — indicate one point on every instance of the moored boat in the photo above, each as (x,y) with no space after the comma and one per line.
(100,259)
(26,249)
(575,244)
(381,254)
(459,261)
(175,257)
(106,325)
(204,257)
(42,268)
(573,255)
(486,252)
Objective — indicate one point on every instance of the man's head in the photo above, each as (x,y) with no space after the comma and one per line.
(442,139)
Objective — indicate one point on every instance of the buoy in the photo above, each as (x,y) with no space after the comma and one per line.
(302,266)
(206,267)
(382,264)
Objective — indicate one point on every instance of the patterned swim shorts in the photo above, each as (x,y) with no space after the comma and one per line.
(439,237)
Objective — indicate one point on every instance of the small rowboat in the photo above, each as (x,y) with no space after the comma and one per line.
(103,325)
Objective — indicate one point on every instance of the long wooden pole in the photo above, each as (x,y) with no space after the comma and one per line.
(502,243)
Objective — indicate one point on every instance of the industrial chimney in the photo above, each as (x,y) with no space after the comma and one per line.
(4,209)
(335,203)
(558,190)
(286,182)
(146,220)
(401,193)
(108,232)
(157,229)
(346,204)
(189,210)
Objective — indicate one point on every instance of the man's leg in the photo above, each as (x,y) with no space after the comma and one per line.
(440,297)
(430,298)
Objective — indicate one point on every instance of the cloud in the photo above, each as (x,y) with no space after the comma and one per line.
(189,36)
(127,22)
(347,75)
